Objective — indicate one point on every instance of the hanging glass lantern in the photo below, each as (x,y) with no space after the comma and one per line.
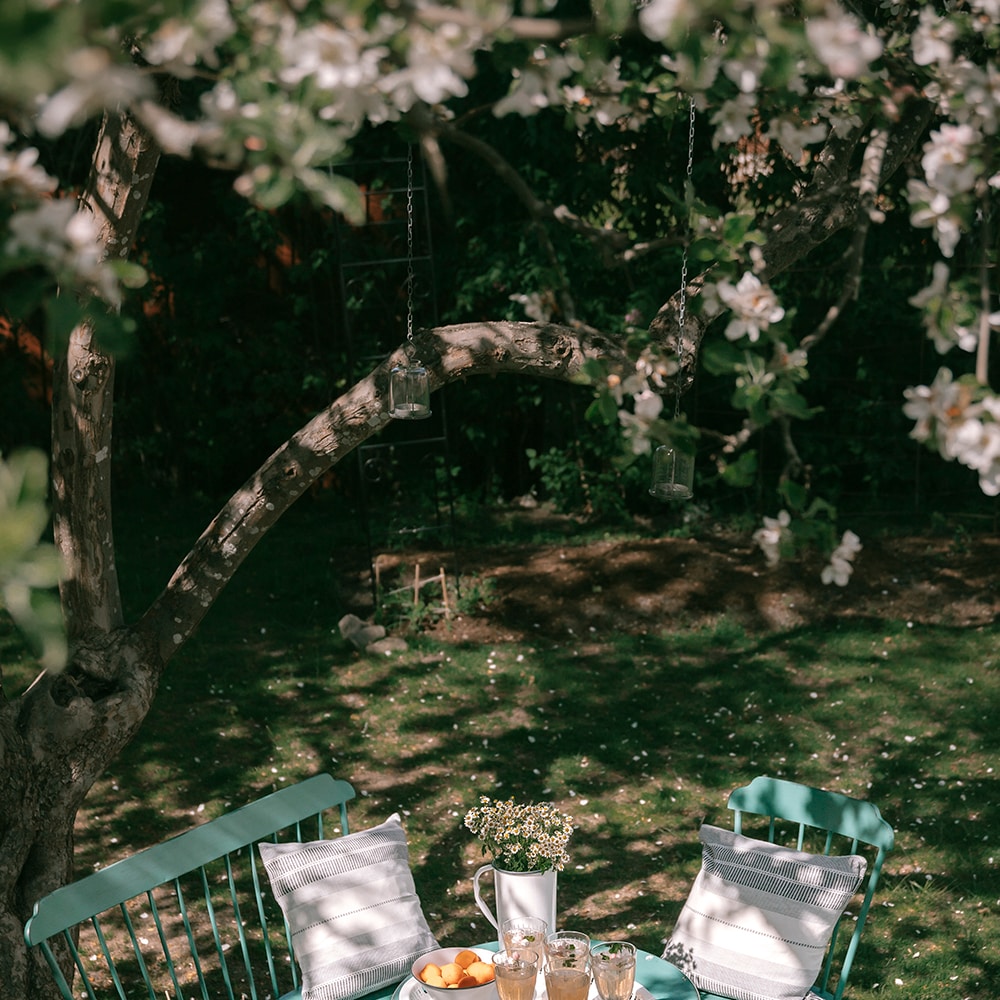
(673,469)
(673,474)
(409,387)
(409,392)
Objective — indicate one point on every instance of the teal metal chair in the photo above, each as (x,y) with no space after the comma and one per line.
(820,822)
(191,916)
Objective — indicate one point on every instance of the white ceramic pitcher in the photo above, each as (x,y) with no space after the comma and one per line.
(518,894)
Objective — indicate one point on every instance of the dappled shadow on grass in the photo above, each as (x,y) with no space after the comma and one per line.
(640,738)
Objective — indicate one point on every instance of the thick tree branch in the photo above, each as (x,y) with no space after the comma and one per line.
(449,354)
(831,201)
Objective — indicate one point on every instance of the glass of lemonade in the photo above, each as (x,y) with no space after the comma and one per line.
(524,932)
(613,966)
(567,950)
(566,983)
(515,972)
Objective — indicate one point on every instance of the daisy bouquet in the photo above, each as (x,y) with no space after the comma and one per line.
(519,837)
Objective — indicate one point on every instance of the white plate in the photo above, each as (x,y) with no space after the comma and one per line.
(413,989)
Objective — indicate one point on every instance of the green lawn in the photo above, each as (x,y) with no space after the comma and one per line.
(639,737)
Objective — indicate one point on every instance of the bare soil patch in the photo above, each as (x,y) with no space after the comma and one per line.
(642,585)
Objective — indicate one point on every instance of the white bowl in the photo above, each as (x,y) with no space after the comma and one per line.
(487,991)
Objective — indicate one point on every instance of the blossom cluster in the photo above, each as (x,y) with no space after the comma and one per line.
(46,231)
(962,422)
(644,386)
(521,837)
(841,562)
(777,538)
(774,537)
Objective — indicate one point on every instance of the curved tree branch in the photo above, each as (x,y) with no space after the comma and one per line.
(449,354)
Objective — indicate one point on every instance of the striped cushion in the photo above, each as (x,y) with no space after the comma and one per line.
(353,910)
(759,917)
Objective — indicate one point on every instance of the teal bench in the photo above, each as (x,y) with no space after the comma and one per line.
(192,916)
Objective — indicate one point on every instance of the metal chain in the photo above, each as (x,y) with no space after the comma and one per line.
(682,310)
(409,243)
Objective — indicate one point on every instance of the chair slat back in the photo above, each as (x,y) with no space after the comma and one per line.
(191,914)
(811,811)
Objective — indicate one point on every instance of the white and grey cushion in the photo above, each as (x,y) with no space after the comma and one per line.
(759,916)
(353,910)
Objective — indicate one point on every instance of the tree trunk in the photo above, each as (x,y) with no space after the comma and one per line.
(59,737)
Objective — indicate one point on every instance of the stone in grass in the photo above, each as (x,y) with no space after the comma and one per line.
(359,633)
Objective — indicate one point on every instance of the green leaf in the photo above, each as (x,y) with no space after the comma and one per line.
(786,400)
(613,15)
(721,356)
(795,494)
(594,370)
(742,472)
(735,228)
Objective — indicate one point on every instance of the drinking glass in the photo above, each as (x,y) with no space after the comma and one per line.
(515,972)
(613,966)
(566,983)
(568,950)
(524,932)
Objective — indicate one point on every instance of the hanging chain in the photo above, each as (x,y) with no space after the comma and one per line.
(409,244)
(682,310)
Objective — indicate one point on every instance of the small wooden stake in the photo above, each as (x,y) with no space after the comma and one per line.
(444,593)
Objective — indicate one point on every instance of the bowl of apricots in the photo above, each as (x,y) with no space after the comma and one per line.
(457,972)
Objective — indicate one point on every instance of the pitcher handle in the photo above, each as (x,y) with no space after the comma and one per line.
(487,912)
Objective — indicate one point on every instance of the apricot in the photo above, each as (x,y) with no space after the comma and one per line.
(452,973)
(480,972)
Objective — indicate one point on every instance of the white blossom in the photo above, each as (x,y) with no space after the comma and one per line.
(947,159)
(934,209)
(841,565)
(179,45)
(842,44)
(20,174)
(177,135)
(793,135)
(933,38)
(931,405)
(771,537)
(648,405)
(635,425)
(732,120)
(96,83)
(745,70)
(754,305)
(538,85)
(67,240)
(658,17)
(437,63)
